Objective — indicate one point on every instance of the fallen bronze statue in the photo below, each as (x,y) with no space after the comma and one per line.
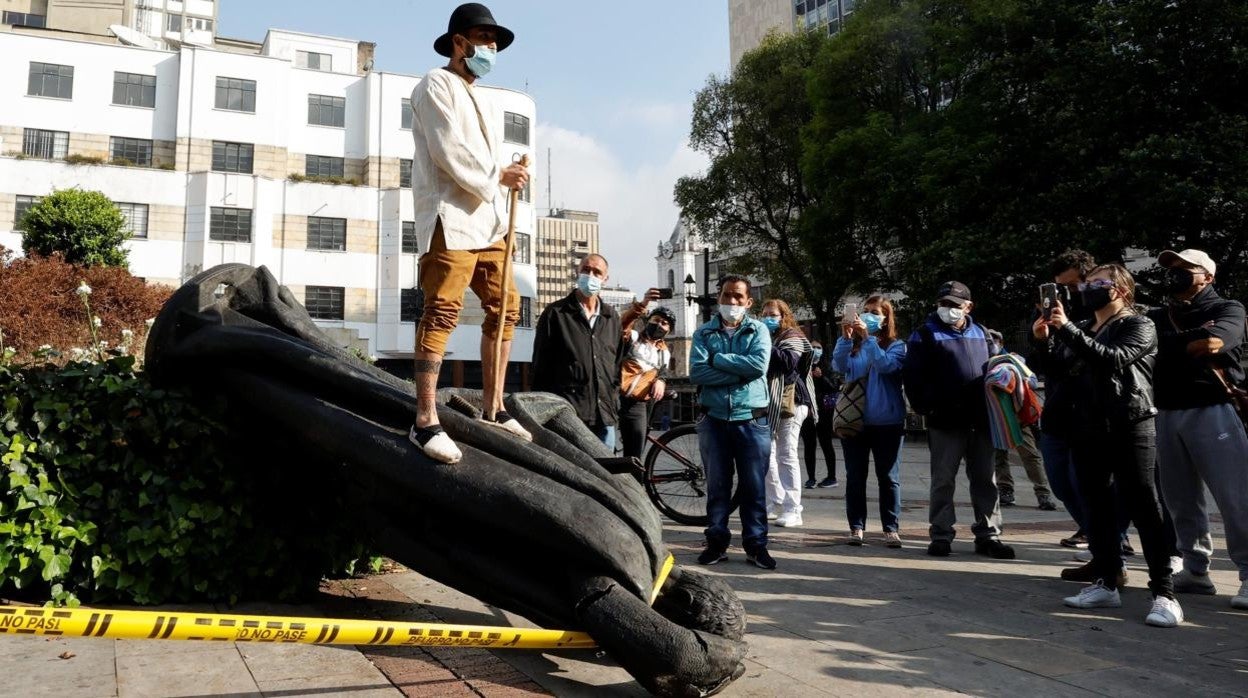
(542,529)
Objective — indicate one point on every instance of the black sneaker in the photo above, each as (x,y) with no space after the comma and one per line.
(1077,540)
(1046,503)
(1127,550)
(810,484)
(712,555)
(939,548)
(1007,498)
(828,482)
(761,558)
(1087,575)
(994,549)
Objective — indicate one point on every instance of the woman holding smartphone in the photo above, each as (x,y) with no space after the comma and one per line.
(869,350)
(1110,357)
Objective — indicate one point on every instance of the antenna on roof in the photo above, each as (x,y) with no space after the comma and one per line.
(550,202)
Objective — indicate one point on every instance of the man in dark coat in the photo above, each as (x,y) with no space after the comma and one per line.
(576,351)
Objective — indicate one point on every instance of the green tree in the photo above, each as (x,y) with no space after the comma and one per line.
(750,203)
(84,226)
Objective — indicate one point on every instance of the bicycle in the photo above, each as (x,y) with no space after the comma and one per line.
(675,478)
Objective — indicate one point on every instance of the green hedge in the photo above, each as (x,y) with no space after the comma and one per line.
(112,489)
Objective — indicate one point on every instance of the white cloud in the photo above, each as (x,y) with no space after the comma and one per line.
(635,205)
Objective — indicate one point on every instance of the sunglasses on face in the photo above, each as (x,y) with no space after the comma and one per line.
(1098,283)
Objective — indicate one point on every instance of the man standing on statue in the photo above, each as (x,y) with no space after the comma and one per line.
(459,184)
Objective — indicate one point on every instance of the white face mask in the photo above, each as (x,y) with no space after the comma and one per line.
(731,314)
(950,316)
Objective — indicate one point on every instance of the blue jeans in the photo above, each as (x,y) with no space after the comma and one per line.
(743,448)
(1059,465)
(884,443)
(605,434)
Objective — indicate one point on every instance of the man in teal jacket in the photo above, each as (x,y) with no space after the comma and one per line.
(728,362)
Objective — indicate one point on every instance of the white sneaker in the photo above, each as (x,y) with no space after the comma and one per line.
(1095,596)
(1083,556)
(1166,613)
(1188,582)
(1240,600)
(507,423)
(774,511)
(789,519)
(1176,564)
(434,442)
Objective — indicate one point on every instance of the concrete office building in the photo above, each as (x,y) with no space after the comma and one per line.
(154,23)
(218,156)
(750,20)
(564,238)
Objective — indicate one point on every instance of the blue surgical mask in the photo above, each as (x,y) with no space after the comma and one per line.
(772,322)
(588,284)
(873,321)
(818,355)
(481,61)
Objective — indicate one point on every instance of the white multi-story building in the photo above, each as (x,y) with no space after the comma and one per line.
(219,156)
(149,23)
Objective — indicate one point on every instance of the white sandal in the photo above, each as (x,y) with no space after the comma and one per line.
(433,441)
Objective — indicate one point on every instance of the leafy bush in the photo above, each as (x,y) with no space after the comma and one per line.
(77,159)
(324,179)
(38,304)
(85,226)
(112,489)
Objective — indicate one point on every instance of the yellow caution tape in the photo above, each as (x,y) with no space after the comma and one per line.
(177,625)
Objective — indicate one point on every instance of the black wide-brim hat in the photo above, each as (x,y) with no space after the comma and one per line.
(467,16)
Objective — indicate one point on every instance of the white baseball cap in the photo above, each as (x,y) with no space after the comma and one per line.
(1195,258)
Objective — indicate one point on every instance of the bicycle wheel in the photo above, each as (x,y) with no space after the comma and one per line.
(675,478)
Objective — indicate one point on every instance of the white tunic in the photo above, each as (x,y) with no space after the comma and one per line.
(456,165)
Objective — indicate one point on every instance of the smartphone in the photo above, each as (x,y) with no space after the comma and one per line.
(851,312)
(665,293)
(1048,299)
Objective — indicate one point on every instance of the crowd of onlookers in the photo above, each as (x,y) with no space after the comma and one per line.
(1139,416)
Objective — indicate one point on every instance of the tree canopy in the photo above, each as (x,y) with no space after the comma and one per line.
(976,139)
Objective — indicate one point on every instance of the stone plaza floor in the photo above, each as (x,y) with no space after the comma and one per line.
(831,620)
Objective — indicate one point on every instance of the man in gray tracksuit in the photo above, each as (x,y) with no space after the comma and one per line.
(1200,439)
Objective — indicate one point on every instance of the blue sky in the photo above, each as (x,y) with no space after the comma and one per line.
(613,83)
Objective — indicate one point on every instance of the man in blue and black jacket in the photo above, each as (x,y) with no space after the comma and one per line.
(944,380)
(728,362)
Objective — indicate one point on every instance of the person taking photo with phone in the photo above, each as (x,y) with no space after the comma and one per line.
(1111,356)
(642,370)
(869,350)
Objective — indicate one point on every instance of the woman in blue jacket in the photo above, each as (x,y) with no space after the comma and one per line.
(869,349)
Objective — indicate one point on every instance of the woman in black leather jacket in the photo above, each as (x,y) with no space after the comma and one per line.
(1111,357)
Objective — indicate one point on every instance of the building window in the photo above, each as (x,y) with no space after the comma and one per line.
(324,166)
(25,19)
(327,233)
(405,120)
(526,312)
(202,24)
(410,305)
(523,252)
(173,23)
(37,143)
(136,219)
(671,279)
(132,151)
(23,205)
(515,128)
(314,61)
(324,302)
(405,173)
(134,89)
(324,110)
(233,157)
(51,80)
(410,246)
(235,94)
(229,224)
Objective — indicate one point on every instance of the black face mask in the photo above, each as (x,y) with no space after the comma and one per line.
(654,331)
(1095,298)
(1178,280)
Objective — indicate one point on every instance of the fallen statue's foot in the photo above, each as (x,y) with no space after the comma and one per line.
(435,443)
(509,424)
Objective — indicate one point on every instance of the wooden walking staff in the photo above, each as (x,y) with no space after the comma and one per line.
(500,371)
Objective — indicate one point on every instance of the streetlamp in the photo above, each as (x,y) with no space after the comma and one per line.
(705,301)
